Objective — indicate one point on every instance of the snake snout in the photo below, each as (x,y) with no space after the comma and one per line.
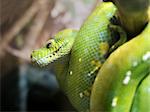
(33,60)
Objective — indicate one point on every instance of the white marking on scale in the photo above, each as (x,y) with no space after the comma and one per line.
(80,59)
(39,62)
(128,73)
(70,72)
(92,72)
(126,80)
(146,56)
(135,63)
(96,68)
(114,102)
(89,74)
(43,60)
(81,95)
(148,90)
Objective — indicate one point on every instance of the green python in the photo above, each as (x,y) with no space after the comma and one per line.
(88,47)
(84,52)
(115,86)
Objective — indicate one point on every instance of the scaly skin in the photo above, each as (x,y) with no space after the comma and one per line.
(116,83)
(142,96)
(57,48)
(88,53)
(119,77)
(90,50)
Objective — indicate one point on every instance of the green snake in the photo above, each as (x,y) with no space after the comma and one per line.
(123,76)
(83,52)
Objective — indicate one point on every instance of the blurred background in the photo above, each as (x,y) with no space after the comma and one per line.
(26,25)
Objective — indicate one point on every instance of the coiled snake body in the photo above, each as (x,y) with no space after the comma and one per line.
(86,51)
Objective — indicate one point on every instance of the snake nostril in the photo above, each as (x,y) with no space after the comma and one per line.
(31,56)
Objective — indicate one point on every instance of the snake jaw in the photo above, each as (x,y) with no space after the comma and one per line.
(48,53)
(44,56)
(38,59)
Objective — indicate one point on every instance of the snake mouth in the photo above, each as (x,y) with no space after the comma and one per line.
(48,57)
(40,62)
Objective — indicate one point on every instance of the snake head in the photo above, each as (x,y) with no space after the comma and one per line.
(47,54)
(55,48)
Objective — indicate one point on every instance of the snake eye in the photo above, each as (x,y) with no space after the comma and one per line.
(48,45)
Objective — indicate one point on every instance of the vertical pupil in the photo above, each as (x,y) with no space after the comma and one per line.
(48,45)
